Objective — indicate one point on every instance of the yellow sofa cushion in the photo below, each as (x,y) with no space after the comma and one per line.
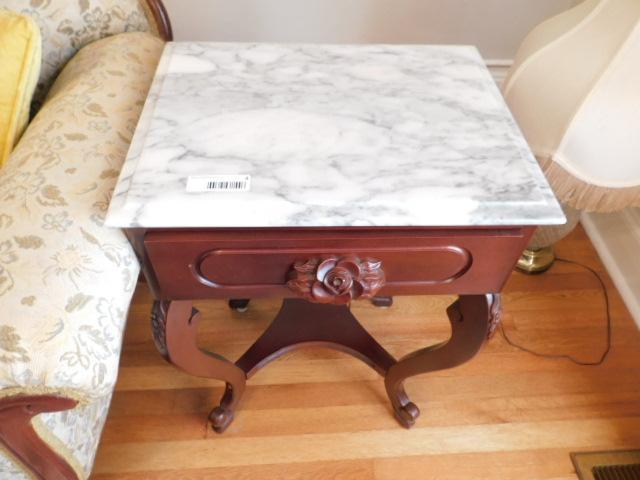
(68,25)
(20,56)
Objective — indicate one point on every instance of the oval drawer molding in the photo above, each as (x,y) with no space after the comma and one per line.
(256,268)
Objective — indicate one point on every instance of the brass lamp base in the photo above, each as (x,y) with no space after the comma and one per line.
(536,261)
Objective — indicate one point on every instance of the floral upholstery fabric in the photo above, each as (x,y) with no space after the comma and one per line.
(65,280)
(68,25)
(10,470)
(77,431)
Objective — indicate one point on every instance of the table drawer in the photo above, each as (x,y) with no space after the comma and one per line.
(250,263)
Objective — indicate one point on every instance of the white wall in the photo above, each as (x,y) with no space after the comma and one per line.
(495,26)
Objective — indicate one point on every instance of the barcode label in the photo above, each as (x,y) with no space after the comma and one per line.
(219,183)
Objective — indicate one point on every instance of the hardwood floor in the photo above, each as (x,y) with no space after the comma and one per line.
(319,414)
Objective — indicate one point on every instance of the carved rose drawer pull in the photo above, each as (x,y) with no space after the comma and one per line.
(336,280)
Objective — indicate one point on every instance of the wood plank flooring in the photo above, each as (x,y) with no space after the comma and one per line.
(319,414)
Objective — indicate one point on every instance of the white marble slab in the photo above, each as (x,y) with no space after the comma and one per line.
(331,135)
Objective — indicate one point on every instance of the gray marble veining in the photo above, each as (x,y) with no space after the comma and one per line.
(330,135)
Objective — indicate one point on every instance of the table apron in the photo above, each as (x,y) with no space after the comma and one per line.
(203,264)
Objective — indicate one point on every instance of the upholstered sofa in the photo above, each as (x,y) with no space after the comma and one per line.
(65,280)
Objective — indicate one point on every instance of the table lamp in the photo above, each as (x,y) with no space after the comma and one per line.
(574,90)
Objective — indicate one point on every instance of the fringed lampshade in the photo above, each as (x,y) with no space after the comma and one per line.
(575,92)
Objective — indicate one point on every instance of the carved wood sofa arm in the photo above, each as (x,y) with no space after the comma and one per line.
(20,438)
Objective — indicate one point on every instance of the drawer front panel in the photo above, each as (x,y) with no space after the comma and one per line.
(249,264)
(254,268)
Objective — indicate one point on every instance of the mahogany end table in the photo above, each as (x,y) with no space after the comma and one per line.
(323,175)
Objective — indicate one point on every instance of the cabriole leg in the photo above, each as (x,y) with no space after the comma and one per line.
(470,317)
(175,327)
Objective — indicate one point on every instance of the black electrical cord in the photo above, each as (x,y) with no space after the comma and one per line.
(607,349)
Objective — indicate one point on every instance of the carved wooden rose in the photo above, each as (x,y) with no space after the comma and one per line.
(336,280)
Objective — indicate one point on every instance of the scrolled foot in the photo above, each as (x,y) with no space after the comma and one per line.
(407,414)
(239,305)
(220,419)
(382,302)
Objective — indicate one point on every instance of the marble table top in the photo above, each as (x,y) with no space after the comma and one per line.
(286,135)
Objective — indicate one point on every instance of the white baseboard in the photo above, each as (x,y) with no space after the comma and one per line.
(616,237)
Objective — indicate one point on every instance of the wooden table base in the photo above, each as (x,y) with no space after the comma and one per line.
(300,323)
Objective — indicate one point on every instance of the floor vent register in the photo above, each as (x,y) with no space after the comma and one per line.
(610,465)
